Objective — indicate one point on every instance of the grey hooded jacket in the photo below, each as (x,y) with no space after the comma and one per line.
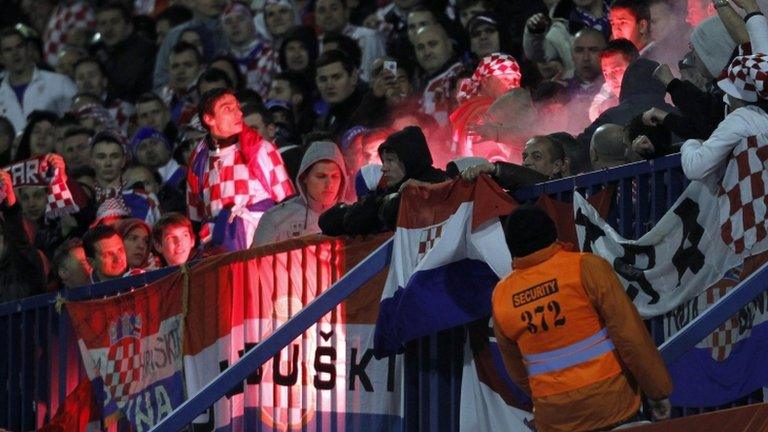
(294,217)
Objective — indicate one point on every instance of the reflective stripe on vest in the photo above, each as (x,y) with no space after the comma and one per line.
(574,354)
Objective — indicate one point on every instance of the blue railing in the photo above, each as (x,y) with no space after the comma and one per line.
(432,378)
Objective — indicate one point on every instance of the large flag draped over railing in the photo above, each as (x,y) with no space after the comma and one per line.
(449,252)
(325,380)
(712,237)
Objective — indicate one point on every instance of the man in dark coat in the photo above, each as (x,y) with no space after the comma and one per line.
(405,156)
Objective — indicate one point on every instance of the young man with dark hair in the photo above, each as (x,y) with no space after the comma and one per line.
(128,57)
(76,148)
(152,112)
(336,78)
(184,66)
(614,61)
(173,238)
(234,175)
(631,19)
(71,265)
(105,252)
(108,159)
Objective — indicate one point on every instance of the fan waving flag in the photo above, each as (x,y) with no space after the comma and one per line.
(449,253)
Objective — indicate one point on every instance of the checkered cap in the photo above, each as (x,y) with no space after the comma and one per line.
(747,78)
(495,64)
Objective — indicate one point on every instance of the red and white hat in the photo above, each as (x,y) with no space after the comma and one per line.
(495,64)
(747,78)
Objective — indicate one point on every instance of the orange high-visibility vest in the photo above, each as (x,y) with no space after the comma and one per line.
(545,309)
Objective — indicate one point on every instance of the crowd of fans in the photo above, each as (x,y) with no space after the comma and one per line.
(179,129)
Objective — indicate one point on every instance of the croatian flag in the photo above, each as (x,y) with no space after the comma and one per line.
(324,380)
(131,348)
(449,253)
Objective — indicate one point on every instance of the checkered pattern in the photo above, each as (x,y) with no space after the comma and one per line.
(495,64)
(743,195)
(259,67)
(123,113)
(123,373)
(721,341)
(64,20)
(747,78)
(60,199)
(229,182)
(436,99)
(428,238)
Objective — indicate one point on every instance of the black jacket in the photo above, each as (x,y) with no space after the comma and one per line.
(639,93)
(700,112)
(22,267)
(377,211)
(129,66)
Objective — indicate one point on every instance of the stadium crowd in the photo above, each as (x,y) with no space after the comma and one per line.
(165,130)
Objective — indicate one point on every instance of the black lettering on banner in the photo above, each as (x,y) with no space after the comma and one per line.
(537,319)
(592,232)
(358,369)
(628,268)
(254,378)
(327,368)
(293,375)
(689,257)
(391,362)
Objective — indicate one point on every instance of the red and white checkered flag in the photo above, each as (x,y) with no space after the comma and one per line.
(743,195)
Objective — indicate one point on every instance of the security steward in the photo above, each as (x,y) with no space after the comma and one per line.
(570,336)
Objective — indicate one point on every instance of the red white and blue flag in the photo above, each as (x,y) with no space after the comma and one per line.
(449,253)
(327,379)
(131,345)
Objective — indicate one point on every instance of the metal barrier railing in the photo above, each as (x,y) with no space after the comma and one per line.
(38,370)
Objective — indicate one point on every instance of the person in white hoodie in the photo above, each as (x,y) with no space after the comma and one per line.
(321,183)
(746,88)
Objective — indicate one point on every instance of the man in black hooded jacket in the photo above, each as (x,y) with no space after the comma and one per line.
(405,156)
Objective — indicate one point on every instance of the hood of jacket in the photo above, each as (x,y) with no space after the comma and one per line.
(316,152)
(411,148)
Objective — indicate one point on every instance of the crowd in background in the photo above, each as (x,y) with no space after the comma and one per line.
(345,102)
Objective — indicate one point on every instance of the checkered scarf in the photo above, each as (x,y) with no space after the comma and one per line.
(60,199)
(747,78)
(495,64)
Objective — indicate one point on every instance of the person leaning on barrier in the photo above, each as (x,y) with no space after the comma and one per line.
(543,159)
(405,157)
(569,335)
